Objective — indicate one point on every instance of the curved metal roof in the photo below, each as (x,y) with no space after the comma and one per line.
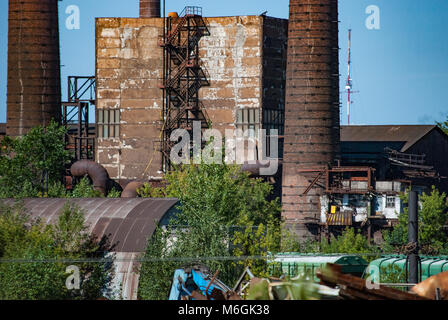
(126,223)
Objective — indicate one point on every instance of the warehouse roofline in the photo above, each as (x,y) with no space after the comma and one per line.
(408,134)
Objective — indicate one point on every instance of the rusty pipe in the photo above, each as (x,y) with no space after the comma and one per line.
(149,8)
(94,170)
(130,191)
(255,168)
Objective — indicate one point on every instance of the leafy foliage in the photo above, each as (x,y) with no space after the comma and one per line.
(299,288)
(220,207)
(114,193)
(43,247)
(432,216)
(349,242)
(84,189)
(443,125)
(26,162)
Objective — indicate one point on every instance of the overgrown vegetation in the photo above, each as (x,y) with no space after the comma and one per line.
(32,166)
(30,163)
(223,213)
(433,215)
(33,254)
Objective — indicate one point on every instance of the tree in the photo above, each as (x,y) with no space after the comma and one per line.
(29,163)
(432,217)
(42,274)
(217,202)
(443,125)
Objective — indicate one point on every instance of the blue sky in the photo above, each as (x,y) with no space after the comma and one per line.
(400,70)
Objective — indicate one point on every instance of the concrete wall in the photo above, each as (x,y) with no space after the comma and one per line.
(129,72)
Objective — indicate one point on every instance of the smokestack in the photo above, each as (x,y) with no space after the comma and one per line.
(149,8)
(311,111)
(34,85)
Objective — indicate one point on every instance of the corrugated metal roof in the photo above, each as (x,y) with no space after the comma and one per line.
(409,134)
(127,223)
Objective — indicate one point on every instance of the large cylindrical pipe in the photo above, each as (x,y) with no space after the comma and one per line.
(130,191)
(95,171)
(312,109)
(34,86)
(149,8)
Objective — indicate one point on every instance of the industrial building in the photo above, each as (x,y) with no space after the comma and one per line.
(154,75)
(242,62)
(378,164)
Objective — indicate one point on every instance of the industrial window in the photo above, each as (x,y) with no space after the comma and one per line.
(108,123)
(274,119)
(247,119)
(390,202)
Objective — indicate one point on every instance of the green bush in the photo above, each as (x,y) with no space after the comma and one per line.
(219,205)
(29,163)
(84,189)
(33,254)
(432,217)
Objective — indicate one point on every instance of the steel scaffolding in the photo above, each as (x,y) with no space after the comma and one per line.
(75,117)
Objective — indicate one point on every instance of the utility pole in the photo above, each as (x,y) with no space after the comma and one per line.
(413,237)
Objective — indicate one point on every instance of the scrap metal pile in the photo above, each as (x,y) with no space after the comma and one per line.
(354,288)
(197,283)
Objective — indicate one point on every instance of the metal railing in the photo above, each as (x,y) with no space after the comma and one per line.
(191,11)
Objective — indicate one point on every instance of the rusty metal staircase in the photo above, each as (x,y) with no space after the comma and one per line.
(183,77)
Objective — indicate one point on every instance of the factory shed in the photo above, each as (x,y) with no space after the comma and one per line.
(410,152)
(405,136)
(125,223)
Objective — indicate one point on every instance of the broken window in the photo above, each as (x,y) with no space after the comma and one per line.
(108,123)
(274,119)
(390,202)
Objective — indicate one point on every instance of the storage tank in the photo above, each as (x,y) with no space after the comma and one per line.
(293,264)
(430,265)
(311,139)
(34,85)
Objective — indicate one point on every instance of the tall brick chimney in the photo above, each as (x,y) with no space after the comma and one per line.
(149,8)
(312,109)
(34,84)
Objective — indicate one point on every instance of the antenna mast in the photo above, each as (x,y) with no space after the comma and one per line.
(349,84)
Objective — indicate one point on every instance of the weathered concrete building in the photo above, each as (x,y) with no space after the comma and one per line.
(245,62)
